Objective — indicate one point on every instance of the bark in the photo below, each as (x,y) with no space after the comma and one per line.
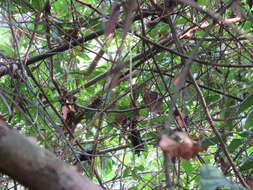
(35,167)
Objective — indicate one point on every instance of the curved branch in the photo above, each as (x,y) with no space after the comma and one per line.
(37,168)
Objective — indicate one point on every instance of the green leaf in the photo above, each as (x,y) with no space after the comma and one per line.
(213,140)
(38,4)
(212,98)
(6,48)
(134,174)
(245,133)
(235,143)
(108,166)
(249,120)
(246,103)
(248,164)
(229,113)
(85,57)
(211,178)
(209,141)
(202,2)
(126,172)
(181,20)
(187,166)
(141,168)
(251,18)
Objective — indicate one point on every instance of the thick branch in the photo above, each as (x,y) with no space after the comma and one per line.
(37,168)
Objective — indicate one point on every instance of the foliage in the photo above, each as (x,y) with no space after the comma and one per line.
(127,90)
(211,178)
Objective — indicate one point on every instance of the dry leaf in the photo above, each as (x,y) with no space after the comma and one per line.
(179,144)
(120,118)
(179,116)
(154,102)
(65,111)
(68,116)
(157,107)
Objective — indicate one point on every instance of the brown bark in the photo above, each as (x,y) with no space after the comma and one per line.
(35,167)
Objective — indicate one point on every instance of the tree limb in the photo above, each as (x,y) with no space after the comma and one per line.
(37,168)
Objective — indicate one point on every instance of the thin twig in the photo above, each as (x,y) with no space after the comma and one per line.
(216,132)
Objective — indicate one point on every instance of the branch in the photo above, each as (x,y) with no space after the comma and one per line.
(216,132)
(37,168)
(189,33)
(161,46)
(216,17)
(90,6)
(142,57)
(8,68)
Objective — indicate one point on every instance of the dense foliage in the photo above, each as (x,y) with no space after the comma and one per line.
(138,94)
